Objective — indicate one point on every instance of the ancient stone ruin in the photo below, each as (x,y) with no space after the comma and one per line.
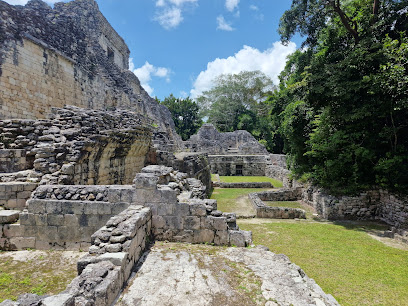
(89,161)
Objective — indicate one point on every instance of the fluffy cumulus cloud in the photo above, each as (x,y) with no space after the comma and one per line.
(231,4)
(223,25)
(147,72)
(169,13)
(271,62)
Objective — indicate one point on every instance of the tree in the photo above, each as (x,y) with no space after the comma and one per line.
(343,115)
(185,113)
(238,101)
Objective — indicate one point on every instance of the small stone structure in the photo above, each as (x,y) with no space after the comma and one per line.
(265,211)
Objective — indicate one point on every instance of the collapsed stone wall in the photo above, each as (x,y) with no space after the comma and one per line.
(209,140)
(78,146)
(69,54)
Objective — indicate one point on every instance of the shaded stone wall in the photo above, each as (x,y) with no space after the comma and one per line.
(13,195)
(248,165)
(13,160)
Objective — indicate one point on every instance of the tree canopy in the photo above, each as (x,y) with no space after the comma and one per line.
(185,113)
(237,101)
(342,105)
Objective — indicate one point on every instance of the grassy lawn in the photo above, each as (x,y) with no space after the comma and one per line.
(347,263)
(39,272)
(250,179)
(341,256)
(235,200)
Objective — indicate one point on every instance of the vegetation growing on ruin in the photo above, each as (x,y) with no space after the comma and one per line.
(39,272)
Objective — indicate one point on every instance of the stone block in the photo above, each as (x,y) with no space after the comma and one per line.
(117,208)
(36,206)
(21,243)
(237,238)
(192,223)
(173,222)
(158,222)
(166,209)
(62,299)
(203,235)
(221,238)
(71,220)
(145,181)
(91,208)
(53,207)
(13,230)
(42,245)
(198,209)
(47,233)
(9,216)
(219,223)
(104,209)
(56,220)
(182,209)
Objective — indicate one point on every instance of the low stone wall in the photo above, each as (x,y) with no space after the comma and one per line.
(370,205)
(102,273)
(264,211)
(65,217)
(180,212)
(243,185)
(13,195)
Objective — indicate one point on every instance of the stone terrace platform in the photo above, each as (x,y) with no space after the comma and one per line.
(183,274)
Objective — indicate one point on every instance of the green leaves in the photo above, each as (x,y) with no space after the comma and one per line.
(185,113)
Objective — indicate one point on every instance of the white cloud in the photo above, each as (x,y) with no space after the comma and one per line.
(223,25)
(231,4)
(271,62)
(169,18)
(253,7)
(146,72)
(169,13)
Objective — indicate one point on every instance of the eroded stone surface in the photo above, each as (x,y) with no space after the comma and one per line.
(177,274)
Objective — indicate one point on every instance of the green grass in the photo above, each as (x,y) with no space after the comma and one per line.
(347,263)
(250,179)
(48,274)
(227,199)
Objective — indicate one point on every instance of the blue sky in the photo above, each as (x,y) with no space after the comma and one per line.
(180,46)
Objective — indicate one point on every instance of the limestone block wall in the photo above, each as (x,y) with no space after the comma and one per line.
(264,211)
(116,248)
(13,161)
(68,55)
(179,215)
(13,195)
(66,216)
(247,165)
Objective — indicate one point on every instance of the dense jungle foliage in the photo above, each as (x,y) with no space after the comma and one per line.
(340,111)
